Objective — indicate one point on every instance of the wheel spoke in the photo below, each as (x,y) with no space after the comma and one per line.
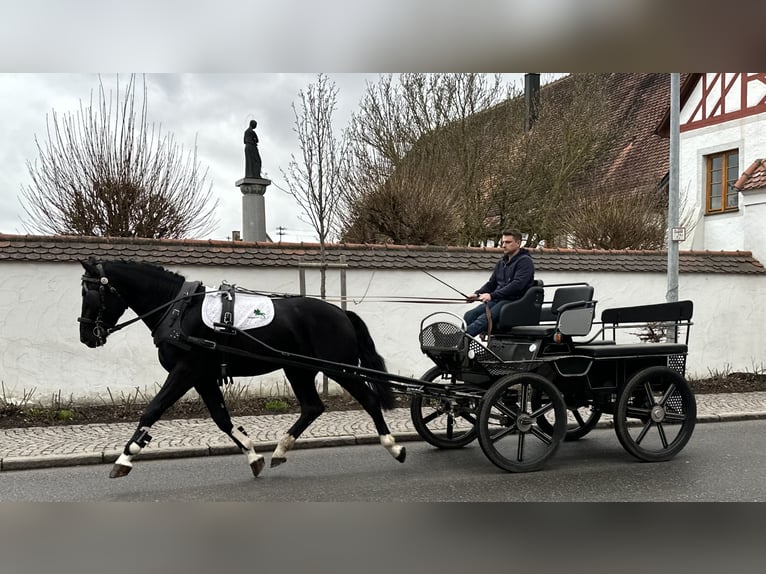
(668,393)
(578,418)
(643,432)
(468,417)
(663,438)
(546,438)
(506,411)
(675,417)
(503,433)
(541,411)
(649,393)
(431,417)
(524,397)
(638,413)
(520,448)
(450,425)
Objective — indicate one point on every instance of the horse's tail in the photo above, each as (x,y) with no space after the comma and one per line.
(370,359)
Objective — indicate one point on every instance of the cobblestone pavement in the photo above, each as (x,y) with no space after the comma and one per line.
(41,447)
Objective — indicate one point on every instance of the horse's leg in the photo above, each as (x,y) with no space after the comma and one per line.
(302,382)
(178,382)
(370,403)
(212,396)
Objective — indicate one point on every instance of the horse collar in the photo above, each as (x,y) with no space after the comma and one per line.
(168,330)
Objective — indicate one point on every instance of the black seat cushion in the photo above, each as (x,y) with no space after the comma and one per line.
(632,350)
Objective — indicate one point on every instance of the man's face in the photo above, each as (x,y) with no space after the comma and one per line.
(510,245)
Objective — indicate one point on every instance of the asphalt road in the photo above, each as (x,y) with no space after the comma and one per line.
(722,462)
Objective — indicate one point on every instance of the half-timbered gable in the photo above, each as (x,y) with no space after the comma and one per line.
(722,124)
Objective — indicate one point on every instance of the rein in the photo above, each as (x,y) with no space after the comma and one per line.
(155,310)
(102,331)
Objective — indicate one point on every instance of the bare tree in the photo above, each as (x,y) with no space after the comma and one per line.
(420,153)
(104,171)
(314,179)
(636,220)
(547,168)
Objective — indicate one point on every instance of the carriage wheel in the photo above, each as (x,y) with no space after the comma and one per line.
(509,429)
(444,422)
(656,413)
(580,420)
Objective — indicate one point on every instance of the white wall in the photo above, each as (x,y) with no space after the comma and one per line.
(40,302)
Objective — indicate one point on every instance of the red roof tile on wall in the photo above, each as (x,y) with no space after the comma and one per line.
(62,249)
(754,177)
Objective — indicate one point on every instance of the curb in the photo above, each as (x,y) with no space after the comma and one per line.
(12,463)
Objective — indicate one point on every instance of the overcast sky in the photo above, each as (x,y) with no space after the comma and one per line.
(223,43)
(214,109)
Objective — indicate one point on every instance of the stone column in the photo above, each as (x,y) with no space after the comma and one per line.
(253,208)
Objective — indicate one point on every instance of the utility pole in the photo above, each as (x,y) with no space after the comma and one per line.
(674,233)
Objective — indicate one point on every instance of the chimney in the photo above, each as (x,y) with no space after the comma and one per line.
(531,97)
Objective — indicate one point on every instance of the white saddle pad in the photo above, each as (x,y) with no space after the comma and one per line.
(250,311)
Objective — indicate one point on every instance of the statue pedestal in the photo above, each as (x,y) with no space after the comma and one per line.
(253,208)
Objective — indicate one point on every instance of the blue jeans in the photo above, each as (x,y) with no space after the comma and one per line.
(476,318)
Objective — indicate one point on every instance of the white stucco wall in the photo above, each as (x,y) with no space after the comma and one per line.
(40,302)
(724,231)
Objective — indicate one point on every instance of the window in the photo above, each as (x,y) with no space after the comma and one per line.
(722,171)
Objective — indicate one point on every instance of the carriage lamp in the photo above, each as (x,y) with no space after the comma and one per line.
(558,337)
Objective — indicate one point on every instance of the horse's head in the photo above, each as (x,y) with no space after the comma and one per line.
(102,305)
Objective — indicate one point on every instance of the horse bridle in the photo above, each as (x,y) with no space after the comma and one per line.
(100,329)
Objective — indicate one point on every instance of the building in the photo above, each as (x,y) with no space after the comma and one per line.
(722,172)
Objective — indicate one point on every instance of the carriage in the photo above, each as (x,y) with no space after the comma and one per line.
(547,373)
(545,377)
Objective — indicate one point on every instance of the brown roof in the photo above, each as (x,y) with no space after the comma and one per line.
(62,249)
(635,106)
(754,177)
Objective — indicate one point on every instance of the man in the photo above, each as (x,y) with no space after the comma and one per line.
(252,156)
(510,279)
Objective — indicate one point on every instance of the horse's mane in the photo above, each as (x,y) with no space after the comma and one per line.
(153,269)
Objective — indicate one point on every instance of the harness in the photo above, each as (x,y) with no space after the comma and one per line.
(168,330)
(165,330)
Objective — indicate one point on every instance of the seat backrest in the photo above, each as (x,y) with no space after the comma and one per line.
(524,311)
(565,295)
(673,311)
(577,321)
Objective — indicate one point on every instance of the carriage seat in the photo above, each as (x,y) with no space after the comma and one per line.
(576,302)
(677,312)
(575,319)
(632,350)
(562,296)
(524,311)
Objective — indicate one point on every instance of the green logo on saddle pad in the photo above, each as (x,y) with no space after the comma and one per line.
(258,313)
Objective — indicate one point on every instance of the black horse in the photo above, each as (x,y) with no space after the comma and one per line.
(191,352)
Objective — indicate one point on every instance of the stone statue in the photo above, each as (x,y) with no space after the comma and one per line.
(252,157)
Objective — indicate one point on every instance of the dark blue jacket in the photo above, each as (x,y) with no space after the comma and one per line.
(510,279)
